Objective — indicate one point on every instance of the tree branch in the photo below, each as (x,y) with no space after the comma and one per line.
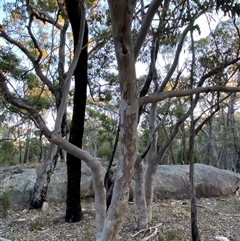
(7,139)
(31,58)
(36,45)
(180,93)
(61,52)
(71,69)
(44,16)
(145,26)
(178,52)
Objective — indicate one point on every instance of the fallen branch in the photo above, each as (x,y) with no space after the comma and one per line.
(148,229)
(221,238)
(151,235)
(3,239)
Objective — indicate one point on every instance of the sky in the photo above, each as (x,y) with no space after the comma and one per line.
(205,28)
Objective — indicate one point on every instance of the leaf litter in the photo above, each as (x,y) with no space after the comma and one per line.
(171,219)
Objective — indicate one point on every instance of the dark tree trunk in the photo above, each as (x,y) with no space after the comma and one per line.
(238,162)
(73,210)
(26,153)
(41,157)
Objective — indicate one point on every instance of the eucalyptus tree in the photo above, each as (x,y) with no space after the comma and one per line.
(40,49)
(178,20)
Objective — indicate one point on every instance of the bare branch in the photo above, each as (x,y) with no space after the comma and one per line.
(178,52)
(58,140)
(7,139)
(36,45)
(71,69)
(44,16)
(180,93)
(145,26)
(216,70)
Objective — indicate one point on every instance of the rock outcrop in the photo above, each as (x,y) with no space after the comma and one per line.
(171,181)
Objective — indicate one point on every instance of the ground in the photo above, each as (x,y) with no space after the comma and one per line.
(216,217)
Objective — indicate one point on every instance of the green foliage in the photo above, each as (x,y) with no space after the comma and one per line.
(104,152)
(91,3)
(38,224)
(180,155)
(100,129)
(236,204)
(10,63)
(230,8)
(101,121)
(170,235)
(4,201)
(49,5)
(40,103)
(8,153)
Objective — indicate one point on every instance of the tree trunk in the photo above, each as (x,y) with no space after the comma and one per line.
(141,218)
(141,212)
(41,157)
(26,152)
(74,211)
(39,194)
(194,227)
(212,152)
(44,175)
(184,148)
(121,15)
(233,125)
(152,168)
(149,185)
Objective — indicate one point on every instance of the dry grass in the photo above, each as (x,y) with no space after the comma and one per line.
(216,216)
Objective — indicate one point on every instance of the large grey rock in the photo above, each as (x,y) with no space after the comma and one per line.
(20,185)
(170,182)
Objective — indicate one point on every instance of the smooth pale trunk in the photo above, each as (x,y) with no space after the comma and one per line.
(141,217)
(149,187)
(152,166)
(121,15)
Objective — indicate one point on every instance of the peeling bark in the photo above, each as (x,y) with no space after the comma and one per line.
(39,194)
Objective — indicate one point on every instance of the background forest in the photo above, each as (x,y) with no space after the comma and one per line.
(130,82)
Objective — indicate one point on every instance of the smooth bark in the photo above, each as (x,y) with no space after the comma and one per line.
(141,218)
(233,125)
(121,15)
